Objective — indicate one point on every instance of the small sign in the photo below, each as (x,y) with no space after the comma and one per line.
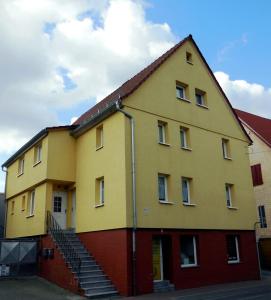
(4,270)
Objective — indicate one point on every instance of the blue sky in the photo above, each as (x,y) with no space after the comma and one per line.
(64,57)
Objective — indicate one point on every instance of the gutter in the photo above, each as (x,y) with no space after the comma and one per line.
(6,202)
(132,123)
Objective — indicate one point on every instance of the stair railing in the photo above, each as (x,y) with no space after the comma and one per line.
(61,238)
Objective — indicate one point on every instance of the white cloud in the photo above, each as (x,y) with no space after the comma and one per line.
(73,119)
(91,48)
(251,97)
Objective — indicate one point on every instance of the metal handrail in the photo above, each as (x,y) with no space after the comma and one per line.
(60,237)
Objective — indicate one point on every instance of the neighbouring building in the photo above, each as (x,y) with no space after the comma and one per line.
(154,179)
(2,214)
(259,130)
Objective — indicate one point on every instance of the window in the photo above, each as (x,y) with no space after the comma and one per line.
(232,249)
(189,57)
(185,138)
(57,203)
(186,190)
(162,188)
(182,91)
(21,166)
(226,148)
(162,132)
(12,207)
(228,188)
(256,172)
(31,203)
(23,203)
(99,137)
(262,217)
(99,192)
(37,154)
(200,98)
(188,251)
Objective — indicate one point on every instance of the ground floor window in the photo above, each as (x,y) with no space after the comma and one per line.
(188,251)
(233,249)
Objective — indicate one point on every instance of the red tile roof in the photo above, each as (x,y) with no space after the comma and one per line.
(130,85)
(259,125)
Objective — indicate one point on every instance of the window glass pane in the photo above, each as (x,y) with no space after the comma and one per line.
(161,133)
(231,248)
(183,138)
(180,92)
(162,188)
(262,217)
(228,195)
(185,190)
(188,255)
(102,191)
(199,99)
(57,204)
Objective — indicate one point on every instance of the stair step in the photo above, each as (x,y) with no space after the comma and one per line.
(93,295)
(107,288)
(89,285)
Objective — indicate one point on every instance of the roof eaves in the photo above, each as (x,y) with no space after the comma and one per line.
(95,119)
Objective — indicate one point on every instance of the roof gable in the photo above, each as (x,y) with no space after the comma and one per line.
(259,125)
(132,84)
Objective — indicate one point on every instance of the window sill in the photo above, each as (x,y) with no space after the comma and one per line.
(202,106)
(234,262)
(189,62)
(227,158)
(189,266)
(186,148)
(36,163)
(99,205)
(189,204)
(20,174)
(166,202)
(100,147)
(30,216)
(164,144)
(184,99)
(232,207)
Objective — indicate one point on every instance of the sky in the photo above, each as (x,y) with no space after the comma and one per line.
(58,58)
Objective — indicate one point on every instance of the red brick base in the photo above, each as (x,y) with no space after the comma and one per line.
(55,269)
(112,250)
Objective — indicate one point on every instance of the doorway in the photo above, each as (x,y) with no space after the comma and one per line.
(161,258)
(60,208)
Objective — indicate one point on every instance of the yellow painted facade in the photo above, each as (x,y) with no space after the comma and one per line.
(75,164)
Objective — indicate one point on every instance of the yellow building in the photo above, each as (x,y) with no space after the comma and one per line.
(259,130)
(154,179)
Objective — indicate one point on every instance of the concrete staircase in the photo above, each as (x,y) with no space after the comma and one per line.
(91,277)
(163,286)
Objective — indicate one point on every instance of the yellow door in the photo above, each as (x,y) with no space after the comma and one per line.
(157,259)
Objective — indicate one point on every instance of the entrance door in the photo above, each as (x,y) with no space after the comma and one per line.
(157,259)
(60,208)
(73,209)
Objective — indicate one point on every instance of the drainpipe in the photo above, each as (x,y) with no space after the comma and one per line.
(257,246)
(132,123)
(6,204)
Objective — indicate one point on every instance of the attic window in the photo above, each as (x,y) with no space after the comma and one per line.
(189,58)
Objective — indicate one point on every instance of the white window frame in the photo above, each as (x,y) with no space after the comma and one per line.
(178,87)
(195,255)
(183,132)
(236,261)
(165,186)
(163,131)
(228,189)
(38,152)
(31,204)
(100,131)
(187,180)
(225,148)
(21,166)
(101,191)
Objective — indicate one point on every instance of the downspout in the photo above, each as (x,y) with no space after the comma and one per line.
(6,203)
(132,123)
